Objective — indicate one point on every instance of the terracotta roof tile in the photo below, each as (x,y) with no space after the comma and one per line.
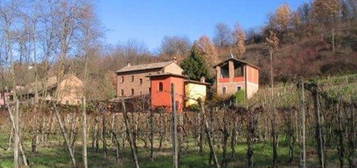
(140,67)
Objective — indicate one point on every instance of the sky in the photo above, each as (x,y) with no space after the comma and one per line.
(148,21)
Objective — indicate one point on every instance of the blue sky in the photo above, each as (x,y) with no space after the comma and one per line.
(148,21)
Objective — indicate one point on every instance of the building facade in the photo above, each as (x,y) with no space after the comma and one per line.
(195,91)
(68,91)
(133,80)
(233,75)
(187,92)
(161,92)
(4,98)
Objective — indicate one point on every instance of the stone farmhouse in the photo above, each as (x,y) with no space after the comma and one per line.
(68,91)
(133,80)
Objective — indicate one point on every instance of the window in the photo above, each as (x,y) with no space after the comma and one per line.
(132,78)
(141,81)
(225,71)
(122,92)
(161,87)
(132,92)
(239,88)
(122,79)
(239,71)
(149,89)
(224,91)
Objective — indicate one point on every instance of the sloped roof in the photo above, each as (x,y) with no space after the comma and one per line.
(50,83)
(197,82)
(130,68)
(237,60)
(167,74)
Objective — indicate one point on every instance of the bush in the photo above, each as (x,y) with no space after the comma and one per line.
(239,97)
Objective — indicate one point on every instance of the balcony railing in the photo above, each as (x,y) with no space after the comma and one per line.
(235,79)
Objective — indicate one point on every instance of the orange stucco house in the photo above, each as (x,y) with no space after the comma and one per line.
(161,87)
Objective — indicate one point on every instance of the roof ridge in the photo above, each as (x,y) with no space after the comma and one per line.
(153,65)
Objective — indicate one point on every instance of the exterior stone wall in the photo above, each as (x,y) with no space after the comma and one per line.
(226,87)
(141,84)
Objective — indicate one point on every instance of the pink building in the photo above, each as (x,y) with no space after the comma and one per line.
(4,97)
(233,75)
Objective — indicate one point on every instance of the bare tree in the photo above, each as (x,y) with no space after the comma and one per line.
(281,18)
(272,43)
(207,49)
(223,35)
(175,46)
(327,12)
(239,40)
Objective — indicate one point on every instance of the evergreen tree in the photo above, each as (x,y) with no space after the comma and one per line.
(195,66)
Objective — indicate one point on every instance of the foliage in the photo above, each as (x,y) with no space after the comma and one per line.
(282,18)
(239,97)
(194,107)
(326,10)
(195,66)
(206,48)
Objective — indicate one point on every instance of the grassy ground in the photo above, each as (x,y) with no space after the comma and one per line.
(55,155)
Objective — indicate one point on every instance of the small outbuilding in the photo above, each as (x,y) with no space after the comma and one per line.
(187,92)
(195,91)
(161,91)
(233,75)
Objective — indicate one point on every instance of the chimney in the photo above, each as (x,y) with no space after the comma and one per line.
(203,79)
(175,59)
(128,64)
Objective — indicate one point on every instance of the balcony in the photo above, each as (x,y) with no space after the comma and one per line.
(235,79)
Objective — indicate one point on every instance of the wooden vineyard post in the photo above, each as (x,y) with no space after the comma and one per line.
(174,127)
(130,136)
(17,137)
(319,132)
(65,135)
(209,137)
(303,154)
(84,113)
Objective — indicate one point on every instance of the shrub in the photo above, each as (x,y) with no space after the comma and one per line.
(239,97)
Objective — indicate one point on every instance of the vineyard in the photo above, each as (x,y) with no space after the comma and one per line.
(311,123)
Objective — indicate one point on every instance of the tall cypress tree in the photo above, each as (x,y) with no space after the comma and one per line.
(195,66)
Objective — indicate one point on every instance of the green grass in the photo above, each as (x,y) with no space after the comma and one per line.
(57,156)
